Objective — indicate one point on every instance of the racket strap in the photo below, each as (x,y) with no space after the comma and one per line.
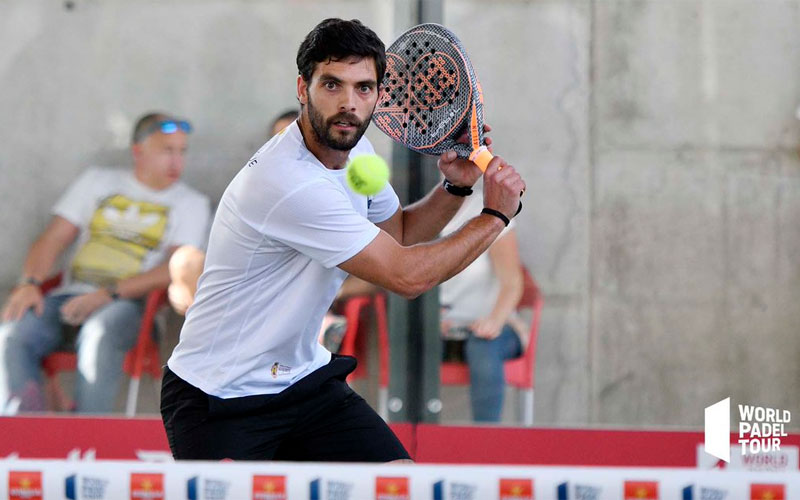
(456,190)
(499,215)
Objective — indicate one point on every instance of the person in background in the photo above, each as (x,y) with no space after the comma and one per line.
(122,226)
(478,310)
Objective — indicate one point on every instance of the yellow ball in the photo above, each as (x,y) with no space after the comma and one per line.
(367,174)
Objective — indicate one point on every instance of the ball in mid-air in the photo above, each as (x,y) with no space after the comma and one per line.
(367,174)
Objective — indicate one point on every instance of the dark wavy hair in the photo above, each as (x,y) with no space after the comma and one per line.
(336,39)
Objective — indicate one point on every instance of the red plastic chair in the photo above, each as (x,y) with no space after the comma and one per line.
(353,308)
(141,358)
(519,372)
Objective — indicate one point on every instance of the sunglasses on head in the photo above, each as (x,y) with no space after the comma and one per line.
(165,127)
(172,126)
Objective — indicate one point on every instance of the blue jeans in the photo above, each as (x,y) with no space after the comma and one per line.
(101,345)
(487,378)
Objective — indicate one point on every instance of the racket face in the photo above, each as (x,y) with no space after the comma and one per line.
(430,92)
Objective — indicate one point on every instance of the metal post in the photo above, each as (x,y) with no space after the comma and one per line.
(416,350)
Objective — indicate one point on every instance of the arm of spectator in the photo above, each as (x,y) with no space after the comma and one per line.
(77,309)
(504,255)
(185,267)
(42,256)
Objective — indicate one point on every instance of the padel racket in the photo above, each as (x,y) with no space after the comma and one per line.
(431,96)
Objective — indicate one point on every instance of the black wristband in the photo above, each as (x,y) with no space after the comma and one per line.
(499,215)
(456,190)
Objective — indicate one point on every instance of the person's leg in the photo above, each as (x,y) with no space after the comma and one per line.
(102,343)
(23,344)
(334,424)
(487,379)
(332,331)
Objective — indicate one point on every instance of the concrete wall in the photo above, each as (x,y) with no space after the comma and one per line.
(657,138)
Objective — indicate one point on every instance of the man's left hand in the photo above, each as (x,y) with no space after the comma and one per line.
(461,172)
(77,309)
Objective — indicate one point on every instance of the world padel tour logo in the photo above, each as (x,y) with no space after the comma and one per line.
(516,489)
(767,492)
(760,429)
(24,485)
(641,490)
(391,488)
(147,486)
(269,488)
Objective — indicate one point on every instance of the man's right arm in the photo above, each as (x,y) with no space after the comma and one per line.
(44,252)
(412,270)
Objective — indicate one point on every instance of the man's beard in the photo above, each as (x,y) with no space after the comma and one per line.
(323,129)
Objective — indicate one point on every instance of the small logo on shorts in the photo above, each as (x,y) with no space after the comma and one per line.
(279,369)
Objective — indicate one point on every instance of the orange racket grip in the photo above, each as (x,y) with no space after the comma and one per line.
(481,157)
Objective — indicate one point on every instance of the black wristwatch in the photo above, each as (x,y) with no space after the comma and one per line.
(112,291)
(456,190)
(29,280)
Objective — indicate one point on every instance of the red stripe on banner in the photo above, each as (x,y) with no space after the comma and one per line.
(498,445)
(136,438)
(56,437)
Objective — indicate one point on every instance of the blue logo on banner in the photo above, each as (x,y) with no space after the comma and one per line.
(337,490)
(438,490)
(91,488)
(580,492)
(314,490)
(213,489)
(703,493)
(191,489)
(69,488)
(458,491)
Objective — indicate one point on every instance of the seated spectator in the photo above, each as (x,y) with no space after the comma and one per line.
(478,310)
(124,225)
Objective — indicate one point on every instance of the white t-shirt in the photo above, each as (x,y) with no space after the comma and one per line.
(283,225)
(472,293)
(126,228)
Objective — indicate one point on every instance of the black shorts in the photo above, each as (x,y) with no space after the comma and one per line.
(320,418)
